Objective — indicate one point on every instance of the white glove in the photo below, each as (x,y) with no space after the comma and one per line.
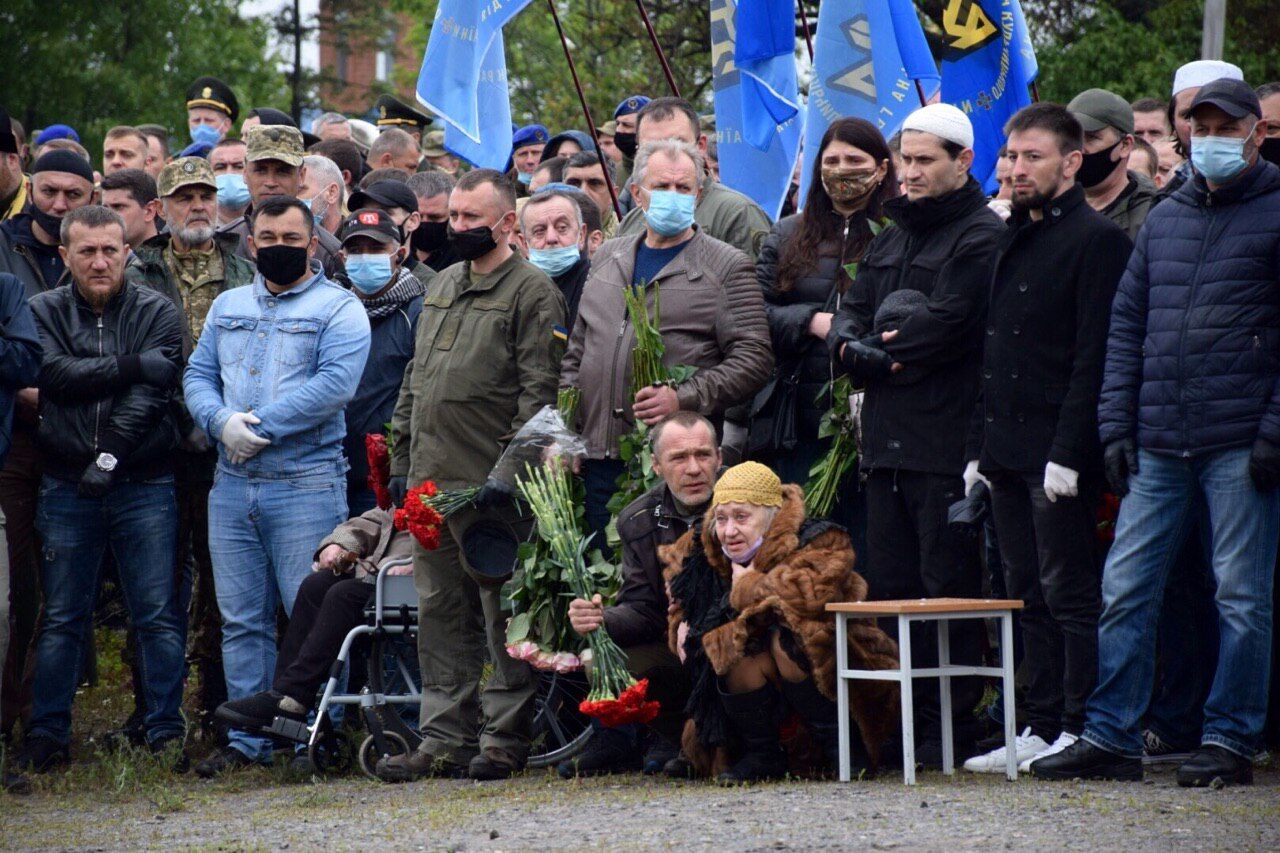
(972,477)
(242,443)
(1060,482)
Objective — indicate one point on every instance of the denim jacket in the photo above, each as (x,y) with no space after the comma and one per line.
(294,359)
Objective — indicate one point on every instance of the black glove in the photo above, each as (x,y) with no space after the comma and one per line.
(493,494)
(1120,460)
(1264,465)
(863,361)
(397,487)
(94,482)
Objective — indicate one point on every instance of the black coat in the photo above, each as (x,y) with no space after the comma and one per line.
(570,283)
(943,247)
(1046,338)
(791,311)
(92,397)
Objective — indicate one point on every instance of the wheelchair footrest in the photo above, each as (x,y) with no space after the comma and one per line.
(290,730)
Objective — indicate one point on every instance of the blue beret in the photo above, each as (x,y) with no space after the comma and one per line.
(57,131)
(530,134)
(632,104)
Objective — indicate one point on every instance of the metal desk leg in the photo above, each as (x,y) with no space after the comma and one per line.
(908,713)
(944,689)
(842,692)
(1010,725)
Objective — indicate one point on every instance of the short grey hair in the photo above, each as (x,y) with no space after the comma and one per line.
(328,118)
(323,170)
(90,216)
(393,140)
(544,196)
(430,184)
(672,148)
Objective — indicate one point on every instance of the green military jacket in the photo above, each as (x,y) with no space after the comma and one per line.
(725,214)
(1130,210)
(486,359)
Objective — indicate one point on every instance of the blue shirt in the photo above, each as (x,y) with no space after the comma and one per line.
(649,262)
(294,359)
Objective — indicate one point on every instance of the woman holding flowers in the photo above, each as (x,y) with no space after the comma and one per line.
(749,586)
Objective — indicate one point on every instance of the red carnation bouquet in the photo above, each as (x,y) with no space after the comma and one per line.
(616,698)
(419,517)
(378,454)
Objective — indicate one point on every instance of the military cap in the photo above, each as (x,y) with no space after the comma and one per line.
(274,142)
(530,134)
(392,112)
(433,144)
(707,123)
(1098,108)
(55,131)
(213,93)
(609,128)
(270,115)
(630,104)
(185,172)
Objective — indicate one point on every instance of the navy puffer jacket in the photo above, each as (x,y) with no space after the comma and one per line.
(1193,354)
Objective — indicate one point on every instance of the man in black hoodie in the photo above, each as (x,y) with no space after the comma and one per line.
(921,381)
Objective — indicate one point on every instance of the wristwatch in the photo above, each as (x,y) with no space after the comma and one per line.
(105,462)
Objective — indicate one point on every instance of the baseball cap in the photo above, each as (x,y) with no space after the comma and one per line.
(185,172)
(385,194)
(1236,98)
(274,142)
(370,222)
(433,144)
(1098,108)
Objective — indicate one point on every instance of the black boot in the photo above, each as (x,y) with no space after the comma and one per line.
(754,718)
(820,720)
(1212,763)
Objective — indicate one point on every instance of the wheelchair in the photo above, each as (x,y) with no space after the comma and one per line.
(560,731)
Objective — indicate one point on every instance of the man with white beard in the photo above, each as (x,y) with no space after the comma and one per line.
(191,264)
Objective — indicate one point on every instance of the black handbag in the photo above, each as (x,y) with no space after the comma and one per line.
(774,413)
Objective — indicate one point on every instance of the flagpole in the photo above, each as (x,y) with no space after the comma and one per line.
(662,57)
(920,93)
(1035,92)
(586,110)
(804,22)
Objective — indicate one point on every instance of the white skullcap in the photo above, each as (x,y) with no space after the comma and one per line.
(1195,74)
(942,120)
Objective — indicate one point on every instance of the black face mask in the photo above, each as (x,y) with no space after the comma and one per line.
(1270,150)
(282,265)
(430,237)
(1097,167)
(472,243)
(626,143)
(51,224)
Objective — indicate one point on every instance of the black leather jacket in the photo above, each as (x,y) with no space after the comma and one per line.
(92,398)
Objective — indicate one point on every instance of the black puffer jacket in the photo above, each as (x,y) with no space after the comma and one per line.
(92,398)
(791,311)
(943,247)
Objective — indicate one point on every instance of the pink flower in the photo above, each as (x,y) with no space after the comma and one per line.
(566,662)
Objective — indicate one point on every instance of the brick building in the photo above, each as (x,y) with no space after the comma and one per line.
(355,65)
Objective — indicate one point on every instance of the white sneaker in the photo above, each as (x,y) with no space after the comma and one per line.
(1025,747)
(1064,740)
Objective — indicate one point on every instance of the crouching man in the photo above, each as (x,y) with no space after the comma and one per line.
(686,455)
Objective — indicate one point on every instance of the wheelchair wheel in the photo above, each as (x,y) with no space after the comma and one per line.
(368,755)
(560,730)
(331,754)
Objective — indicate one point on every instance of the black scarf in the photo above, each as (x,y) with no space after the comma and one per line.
(407,287)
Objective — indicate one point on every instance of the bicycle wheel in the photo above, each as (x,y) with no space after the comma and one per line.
(560,730)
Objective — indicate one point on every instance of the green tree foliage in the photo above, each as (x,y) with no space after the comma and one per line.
(97,64)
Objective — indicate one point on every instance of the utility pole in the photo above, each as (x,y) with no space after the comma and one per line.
(1215,25)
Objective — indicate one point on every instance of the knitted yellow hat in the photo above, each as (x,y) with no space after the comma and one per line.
(750,483)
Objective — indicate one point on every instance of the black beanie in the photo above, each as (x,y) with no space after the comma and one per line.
(62,160)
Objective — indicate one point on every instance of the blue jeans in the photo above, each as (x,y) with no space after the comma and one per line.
(139,522)
(1155,520)
(263,534)
(600,481)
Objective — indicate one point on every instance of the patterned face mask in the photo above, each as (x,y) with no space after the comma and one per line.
(849,185)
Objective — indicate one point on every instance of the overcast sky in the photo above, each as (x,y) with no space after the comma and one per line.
(310,49)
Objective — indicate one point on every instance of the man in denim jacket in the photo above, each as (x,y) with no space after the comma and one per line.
(276,364)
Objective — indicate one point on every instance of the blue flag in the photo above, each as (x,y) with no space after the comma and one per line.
(868,57)
(464,78)
(761,172)
(988,65)
(765,55)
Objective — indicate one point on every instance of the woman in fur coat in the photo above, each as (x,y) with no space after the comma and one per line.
(749,585)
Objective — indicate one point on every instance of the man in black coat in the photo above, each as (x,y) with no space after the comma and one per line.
(1035,433)
(921,377)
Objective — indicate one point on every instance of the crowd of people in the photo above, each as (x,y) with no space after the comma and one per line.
(194,346)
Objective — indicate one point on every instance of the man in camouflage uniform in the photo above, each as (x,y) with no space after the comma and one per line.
(486,359)
(192,264)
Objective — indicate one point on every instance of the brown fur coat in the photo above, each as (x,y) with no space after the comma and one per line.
(790,587)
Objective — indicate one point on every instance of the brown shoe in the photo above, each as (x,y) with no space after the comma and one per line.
(417,765)
(493,764)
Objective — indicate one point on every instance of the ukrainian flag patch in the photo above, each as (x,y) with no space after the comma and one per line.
(560,333)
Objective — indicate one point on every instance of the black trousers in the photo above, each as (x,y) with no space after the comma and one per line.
(914,554)
(328,606)
(1051,563)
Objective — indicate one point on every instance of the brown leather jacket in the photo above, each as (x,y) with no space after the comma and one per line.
(712,318)
(374,537)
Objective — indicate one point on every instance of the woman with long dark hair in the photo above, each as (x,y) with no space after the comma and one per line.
(802,270)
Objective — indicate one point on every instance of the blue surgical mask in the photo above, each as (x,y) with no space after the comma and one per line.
(524,177)
(746,558)
(205,134)
(369,273)
(670,213)
(553,262)
(1218,158)
(232,190)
